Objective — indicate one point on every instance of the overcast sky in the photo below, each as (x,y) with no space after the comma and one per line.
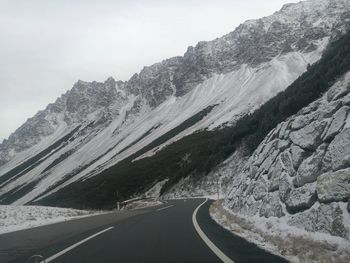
(47,45)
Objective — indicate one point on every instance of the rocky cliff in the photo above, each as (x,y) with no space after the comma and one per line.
(301,171)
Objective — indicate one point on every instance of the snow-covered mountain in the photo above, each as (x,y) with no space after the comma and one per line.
(96,125)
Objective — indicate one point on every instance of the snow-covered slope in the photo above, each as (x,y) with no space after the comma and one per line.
(95,125)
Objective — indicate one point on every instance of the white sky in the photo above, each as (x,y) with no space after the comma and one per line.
(47,45)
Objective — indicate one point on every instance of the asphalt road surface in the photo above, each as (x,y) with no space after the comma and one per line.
(178,231)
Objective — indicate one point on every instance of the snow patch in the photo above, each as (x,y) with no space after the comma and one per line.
(14,218)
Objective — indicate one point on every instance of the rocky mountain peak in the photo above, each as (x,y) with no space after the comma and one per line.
(73,107)
(110,80)
(299,27)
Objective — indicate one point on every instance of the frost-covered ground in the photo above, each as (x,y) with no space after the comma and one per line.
(13,218)
(276,236)
(139,204)
(148,199)
(208,186)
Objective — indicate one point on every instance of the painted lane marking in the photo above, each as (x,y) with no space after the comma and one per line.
(75,245)
(206,240)
(164,207)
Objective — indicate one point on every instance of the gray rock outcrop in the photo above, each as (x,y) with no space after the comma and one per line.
(309,176)
(334,186)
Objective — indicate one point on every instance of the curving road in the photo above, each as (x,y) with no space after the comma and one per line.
(178,231)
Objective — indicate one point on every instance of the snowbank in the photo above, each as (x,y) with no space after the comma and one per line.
(139,204)
(13,218)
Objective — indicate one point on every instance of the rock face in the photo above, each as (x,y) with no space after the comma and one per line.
(301,198)
(308,175)
(270,206)
(334,186)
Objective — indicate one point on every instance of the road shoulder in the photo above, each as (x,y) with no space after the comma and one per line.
(236,248)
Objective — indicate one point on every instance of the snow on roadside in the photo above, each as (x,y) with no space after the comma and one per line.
(149,198)
(276,236)
(139,204)
(13,218)
(154,191)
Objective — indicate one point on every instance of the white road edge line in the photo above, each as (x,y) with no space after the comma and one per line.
(75,245)
(206,240)
(164,207)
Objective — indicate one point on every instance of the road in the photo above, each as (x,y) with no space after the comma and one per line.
(178,231)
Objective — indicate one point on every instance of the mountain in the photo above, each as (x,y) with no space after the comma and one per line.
(99,129)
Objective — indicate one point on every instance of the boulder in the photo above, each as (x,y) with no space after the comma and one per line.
(298,155)
(251,207)
(271,206)
(334,186)
(283,164)
(332,107)
(309,137)
(250,188)
(310,108)
(274,175)
(337,93)
(301,198)
(282,145)
(301,121)
(287,162)
(309,169)
(252,171)
(284,132)
(235,204)
(338,228)
(346,99)
(285,187)
(265,151)
(260,189)
(266,165)
(347,123)
(337,123)
(272,135)
(326,218)
(338,152)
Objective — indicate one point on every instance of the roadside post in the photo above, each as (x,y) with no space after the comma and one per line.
(218,186)
(117,197)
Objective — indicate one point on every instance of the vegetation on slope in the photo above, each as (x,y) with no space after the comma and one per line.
(200,152)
